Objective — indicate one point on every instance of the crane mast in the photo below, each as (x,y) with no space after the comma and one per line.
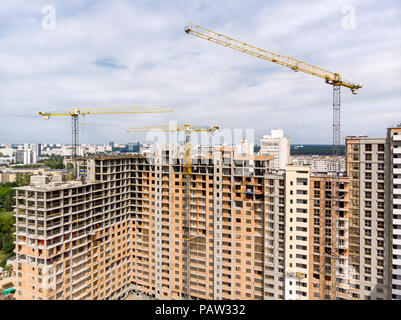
(187,171)
(331,78)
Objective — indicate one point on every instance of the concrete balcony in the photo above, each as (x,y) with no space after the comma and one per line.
(21,223)
(396,272)
(397,211)
(396,181)
(396,282)
(397,161)
(396,292)
(77,289)
(396,252)
(397,201)
(397,137)
(81,269)
(343,285)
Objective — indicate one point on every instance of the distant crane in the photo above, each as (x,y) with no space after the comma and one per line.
(187,129)
(74,113)
(187,170)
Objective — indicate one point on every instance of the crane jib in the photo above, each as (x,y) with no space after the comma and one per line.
(292,63)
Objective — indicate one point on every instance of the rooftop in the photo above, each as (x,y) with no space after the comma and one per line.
(53,186)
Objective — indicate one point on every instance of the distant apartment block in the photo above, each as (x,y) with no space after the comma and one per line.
(26,156)
(277,145)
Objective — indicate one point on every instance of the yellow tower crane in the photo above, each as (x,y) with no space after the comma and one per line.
(331,78)
(74,113)
(187,170)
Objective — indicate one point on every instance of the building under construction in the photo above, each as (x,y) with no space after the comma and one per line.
(232,228)
(123,230)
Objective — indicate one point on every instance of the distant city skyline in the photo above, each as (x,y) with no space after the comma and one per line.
(116,144)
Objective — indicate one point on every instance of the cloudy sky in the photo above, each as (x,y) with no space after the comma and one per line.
(136,53)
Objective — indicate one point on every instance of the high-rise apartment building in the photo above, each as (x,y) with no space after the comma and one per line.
(297,179)
(38,149)
(393,208)
(30,156)
(26,155)
(368,241)
(274,235)
(277,145)
(328,243)
(19,156)
(123,230)
(255,232)
(72,240)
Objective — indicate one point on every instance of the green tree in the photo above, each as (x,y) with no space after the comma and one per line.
(53,162)
(7,221)
(23,179)
(9,202)
(8,243)
(7,196)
